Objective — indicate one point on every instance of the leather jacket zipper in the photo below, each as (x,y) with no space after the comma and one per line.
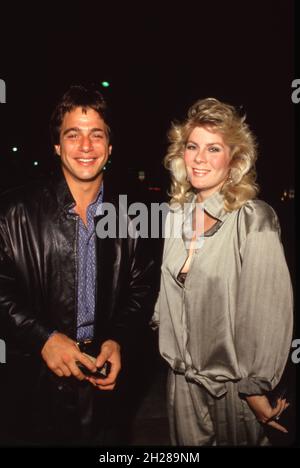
(76,275)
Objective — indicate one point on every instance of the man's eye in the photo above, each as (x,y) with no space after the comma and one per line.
(72,136)
(97,135)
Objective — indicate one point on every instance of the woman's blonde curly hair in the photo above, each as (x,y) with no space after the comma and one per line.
(220,117)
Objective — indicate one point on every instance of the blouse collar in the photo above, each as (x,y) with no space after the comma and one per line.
(214,206)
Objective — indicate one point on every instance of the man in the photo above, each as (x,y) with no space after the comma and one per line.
(64,292)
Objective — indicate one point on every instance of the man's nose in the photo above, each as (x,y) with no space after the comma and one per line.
(86,143)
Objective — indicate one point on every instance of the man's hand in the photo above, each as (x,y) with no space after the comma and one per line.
(110,351)
(264,412)
(60,353)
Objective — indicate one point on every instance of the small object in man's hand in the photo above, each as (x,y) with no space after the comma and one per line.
(100,373)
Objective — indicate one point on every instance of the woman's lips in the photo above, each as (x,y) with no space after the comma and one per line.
(200,172)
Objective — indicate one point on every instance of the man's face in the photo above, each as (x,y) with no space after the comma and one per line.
(83,148)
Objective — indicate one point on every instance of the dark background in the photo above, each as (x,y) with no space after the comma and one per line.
(158,62)
(159,59)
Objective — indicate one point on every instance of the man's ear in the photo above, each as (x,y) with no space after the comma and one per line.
(57,149)
(109,149)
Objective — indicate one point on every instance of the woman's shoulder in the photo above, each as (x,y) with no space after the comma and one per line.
(257,215)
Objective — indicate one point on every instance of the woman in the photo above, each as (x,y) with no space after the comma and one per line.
(225,304)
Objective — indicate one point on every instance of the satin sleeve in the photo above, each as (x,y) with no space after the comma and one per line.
(264,320)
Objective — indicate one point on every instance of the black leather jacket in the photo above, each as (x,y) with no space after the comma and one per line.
(38,271)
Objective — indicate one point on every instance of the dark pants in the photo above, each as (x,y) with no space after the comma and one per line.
(38,408)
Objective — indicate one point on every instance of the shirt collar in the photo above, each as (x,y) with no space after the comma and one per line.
(99,200)
(214,206)
(96,205)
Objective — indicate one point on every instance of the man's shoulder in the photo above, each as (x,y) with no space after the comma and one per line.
(28,195)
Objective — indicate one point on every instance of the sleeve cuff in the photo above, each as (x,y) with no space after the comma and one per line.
(254,386)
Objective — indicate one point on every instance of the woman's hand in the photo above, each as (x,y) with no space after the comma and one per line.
(264,412)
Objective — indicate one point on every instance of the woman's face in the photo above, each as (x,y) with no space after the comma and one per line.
(207,161)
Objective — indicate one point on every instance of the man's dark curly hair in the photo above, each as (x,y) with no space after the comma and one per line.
(78,96)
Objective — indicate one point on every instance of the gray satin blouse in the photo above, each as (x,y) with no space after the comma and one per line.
(232,317)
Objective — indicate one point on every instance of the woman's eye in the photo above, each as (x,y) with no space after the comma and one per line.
(190,147)
(214,149)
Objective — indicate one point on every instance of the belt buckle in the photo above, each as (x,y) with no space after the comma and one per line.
(83,344)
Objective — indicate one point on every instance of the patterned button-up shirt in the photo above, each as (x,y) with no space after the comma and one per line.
(86,270)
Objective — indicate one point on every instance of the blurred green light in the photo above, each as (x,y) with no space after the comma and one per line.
(105,84)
